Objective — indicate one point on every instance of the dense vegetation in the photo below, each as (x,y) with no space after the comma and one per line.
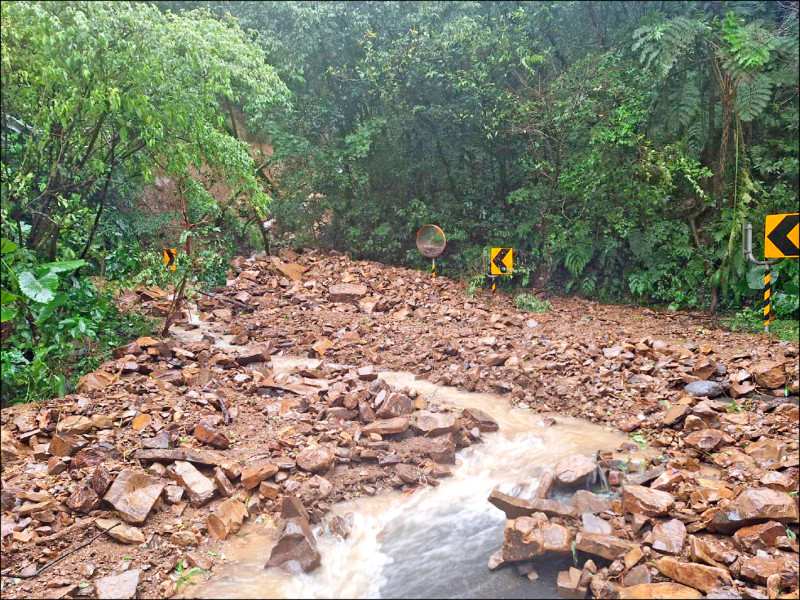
(616,146)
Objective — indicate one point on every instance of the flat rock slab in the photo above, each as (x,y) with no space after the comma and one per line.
(669,537)
(528,537)
(133,494)
(697,576)
(605,546)
(171,455)
(755,505)
(649,591)
(118,586)
(388,426)
(346,292)
(637,499)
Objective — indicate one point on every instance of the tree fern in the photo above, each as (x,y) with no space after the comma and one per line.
(752,96)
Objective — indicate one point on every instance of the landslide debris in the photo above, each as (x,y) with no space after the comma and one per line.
(180,442)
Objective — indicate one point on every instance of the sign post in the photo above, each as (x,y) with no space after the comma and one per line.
(780,241)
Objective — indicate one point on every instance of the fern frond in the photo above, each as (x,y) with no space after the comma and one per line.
(752,96)
(688,102)
(577,257)
(661,44)
(696,138)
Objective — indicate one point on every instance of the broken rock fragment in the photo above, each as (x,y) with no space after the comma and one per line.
(315,459)
(575,470)
(529,537)
(199,488)
(227,518)
(296,548)
(207,434)
(641,500)
(118,587)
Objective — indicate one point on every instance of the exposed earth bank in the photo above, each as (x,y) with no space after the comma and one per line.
(175,443)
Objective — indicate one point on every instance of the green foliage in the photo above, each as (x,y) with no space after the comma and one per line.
(637,437)
(530,303)
(60,327)
(750,320)
(506,127)
(98,99)
(183,575)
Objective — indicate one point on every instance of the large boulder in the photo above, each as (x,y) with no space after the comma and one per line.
(441,449)
(517,507)
(433,424)
(388,426)
(605,546)
(475,417)
(200,488)
(770,374)
(254,474)
(346,292)
(668,537)
(315,459)
(396,405)
(695,575)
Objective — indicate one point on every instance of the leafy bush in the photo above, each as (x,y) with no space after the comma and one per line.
(56,326)
(530,303)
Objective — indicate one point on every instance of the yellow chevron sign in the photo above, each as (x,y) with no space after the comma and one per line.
(501,261)
(170,254)
(781,238)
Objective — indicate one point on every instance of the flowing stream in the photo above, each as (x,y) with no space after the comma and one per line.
(433,543)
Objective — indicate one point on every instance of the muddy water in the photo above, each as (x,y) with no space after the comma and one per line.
(433,543)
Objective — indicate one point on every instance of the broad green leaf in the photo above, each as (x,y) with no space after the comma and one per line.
(6,297)
(63,266)
(39,290)
(755,278)
(7,313)
(6,246)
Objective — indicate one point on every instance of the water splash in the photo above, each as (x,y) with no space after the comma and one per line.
(434,542)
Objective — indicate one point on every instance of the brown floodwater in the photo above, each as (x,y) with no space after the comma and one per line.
(433,543)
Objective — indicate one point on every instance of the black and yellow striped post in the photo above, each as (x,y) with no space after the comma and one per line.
(494,285)
(433,268)
(767,293)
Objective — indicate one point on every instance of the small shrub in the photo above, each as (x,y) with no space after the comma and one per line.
(530,303)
